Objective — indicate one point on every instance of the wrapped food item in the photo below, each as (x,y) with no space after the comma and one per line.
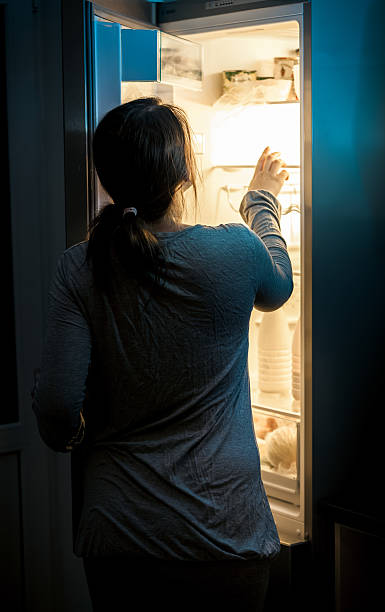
(283,67)
(242,87)
(286,68)
(281,449)
(263,425)
(231,78)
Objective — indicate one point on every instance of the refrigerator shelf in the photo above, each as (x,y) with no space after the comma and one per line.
(284,483)
(256,103)
(281,102)
(235,166)
(290,415)
(229,188)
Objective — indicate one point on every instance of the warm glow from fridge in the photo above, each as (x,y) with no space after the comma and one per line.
(237,134)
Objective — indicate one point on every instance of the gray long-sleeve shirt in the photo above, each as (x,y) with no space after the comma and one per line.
(170,464)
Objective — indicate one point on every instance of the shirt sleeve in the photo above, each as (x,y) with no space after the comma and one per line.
(260,210)
(60,386)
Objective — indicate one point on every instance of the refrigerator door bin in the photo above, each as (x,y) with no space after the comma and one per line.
(180,62)
(277,435)
(160,57)
(156,60)
(281,487)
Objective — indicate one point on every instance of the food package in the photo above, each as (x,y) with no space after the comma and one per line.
(281,448)
(283,67)
(263,424)
(242,87)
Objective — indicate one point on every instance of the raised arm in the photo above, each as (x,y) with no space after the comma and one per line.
(261,210)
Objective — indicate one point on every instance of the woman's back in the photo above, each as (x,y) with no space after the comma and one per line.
(167,403)
(163,356)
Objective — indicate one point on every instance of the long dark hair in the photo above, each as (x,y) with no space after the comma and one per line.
(143,156)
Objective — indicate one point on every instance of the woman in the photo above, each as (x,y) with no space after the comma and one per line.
(144,371)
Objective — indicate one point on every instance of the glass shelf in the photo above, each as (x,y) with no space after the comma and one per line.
(246,166)
(271,411)
(281,102)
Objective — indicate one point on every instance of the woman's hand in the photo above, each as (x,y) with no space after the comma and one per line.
(268,174)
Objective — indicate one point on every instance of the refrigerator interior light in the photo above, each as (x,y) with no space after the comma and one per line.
(239,135)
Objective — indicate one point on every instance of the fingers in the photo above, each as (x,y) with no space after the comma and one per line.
(283,175)
(271,163)
(266,160)
(275,166)
(262,159)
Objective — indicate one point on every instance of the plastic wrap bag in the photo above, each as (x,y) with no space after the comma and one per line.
(242,87)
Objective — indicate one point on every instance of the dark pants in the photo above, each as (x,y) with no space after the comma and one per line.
(126,583)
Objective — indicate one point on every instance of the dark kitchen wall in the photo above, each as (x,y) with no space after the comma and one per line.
(348,94)
(348,149)
(38,569)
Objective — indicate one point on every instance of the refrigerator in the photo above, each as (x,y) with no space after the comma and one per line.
(241,72)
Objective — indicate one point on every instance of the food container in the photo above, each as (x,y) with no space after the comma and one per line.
(246,87)
(235,77)
(283,67)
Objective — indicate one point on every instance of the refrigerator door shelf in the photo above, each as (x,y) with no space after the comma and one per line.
(281,487)
(235,166)
(288,520)
(161,57)
(269,411)
(277,438)
(275,403)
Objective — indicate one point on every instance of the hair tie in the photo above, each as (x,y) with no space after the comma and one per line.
(131,209)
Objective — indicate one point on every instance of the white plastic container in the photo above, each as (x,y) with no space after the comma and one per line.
(274,353)
(296,363)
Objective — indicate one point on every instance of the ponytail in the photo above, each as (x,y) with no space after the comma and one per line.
(143,156)
(115,235)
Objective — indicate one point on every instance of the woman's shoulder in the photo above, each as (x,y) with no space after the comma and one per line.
(229,245)
(75,254)
(72,263)
(228,230)
(233,235)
